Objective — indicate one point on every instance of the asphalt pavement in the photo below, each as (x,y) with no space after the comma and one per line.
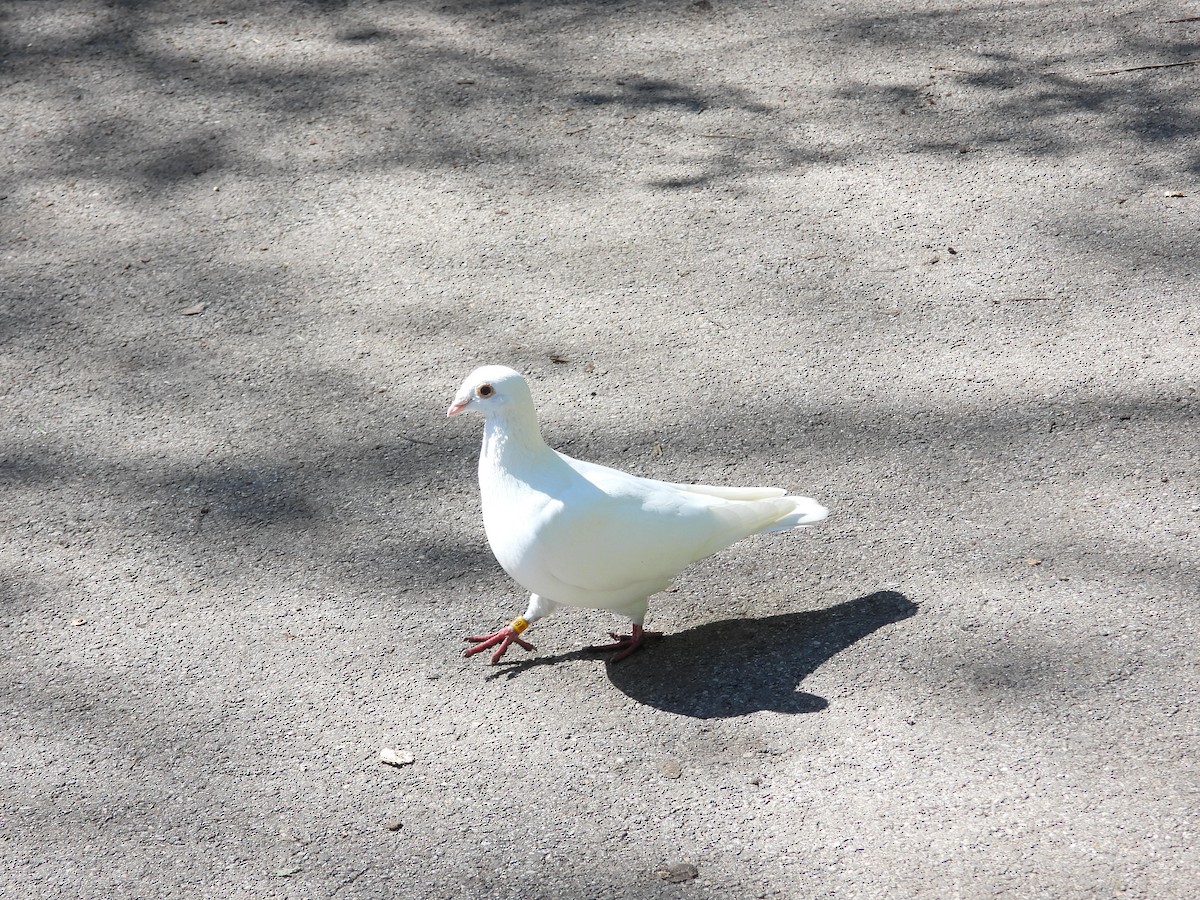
(934,264)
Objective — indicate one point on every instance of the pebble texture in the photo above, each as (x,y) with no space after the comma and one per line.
(914,259)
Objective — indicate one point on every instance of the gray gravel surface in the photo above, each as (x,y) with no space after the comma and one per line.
(912,258)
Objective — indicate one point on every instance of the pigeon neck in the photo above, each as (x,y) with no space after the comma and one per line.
(511,439)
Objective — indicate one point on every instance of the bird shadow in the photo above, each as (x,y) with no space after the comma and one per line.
(739,666)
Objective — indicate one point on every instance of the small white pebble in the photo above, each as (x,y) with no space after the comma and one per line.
(390,757)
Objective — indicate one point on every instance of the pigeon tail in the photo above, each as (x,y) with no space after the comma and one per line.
(741,518)
(807,512)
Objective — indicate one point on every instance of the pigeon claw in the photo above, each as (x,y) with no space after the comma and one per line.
(504,637)
(627,644)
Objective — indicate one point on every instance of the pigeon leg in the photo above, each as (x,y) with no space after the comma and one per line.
(539,607)
(627,643)
(504,637)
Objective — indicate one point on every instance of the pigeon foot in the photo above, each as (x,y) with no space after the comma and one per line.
(627,643)
(504,637)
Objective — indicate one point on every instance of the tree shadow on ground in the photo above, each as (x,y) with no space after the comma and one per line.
(1010,89)
(735,667)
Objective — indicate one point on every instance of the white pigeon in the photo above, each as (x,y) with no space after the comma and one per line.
(574,533)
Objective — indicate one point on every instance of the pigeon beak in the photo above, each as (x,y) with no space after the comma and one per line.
(456,407)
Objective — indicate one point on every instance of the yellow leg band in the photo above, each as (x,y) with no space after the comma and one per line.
(518,624)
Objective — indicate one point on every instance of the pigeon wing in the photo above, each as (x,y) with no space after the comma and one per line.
(615,532)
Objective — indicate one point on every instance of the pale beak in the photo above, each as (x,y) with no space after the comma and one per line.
(456,407)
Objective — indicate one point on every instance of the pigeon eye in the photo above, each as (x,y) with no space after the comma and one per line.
(485,390)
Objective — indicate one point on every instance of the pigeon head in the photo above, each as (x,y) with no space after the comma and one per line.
(491,390)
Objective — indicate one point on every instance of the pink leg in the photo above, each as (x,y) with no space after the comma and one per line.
(503,637)
(627,643)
